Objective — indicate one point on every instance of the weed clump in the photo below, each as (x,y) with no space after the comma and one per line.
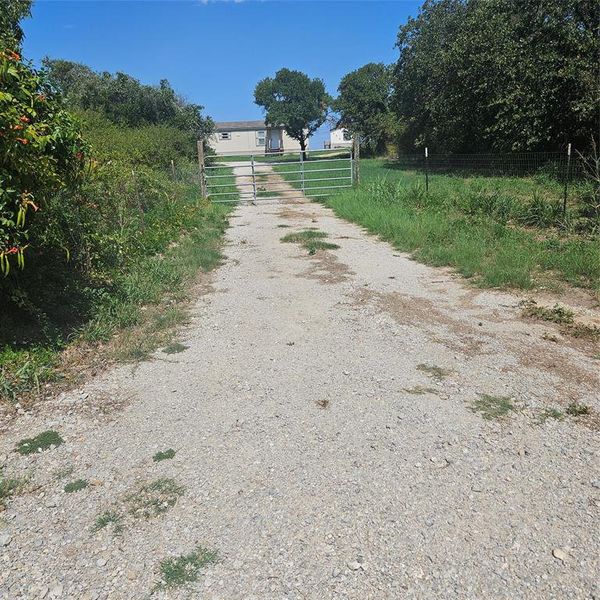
(433,371)
(106,519)
(186,568)
(575,409)
(174,348)
(43,441)
(164,455)
(311,239)
(556,314)
(8,487)
(154,498)
(492,407)
(76,486)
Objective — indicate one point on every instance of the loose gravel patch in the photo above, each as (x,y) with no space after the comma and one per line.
(320,452)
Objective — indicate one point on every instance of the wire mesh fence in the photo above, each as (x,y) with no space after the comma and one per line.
(558,165)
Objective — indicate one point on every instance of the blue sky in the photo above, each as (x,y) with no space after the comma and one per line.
(214,52)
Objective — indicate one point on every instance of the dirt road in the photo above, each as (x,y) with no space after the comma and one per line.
(328,419)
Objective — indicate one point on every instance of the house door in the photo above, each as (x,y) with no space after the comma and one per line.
(275,140)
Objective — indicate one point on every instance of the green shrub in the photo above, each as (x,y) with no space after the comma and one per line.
(41,154)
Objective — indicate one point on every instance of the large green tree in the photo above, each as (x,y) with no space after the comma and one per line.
(295,101)
(476,75)
(363,104)
(126,101)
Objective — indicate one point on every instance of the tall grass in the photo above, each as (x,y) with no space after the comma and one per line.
(502,232)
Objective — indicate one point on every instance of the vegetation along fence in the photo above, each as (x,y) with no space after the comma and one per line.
(563,167)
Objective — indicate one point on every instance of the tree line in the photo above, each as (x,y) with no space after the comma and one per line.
(472,76)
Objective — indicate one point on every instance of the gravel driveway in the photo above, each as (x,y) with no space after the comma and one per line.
(327,415)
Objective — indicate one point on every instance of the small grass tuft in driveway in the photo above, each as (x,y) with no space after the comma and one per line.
(184,569)
(311,239)
(106,519)
(492,407)
(174,348)
(154,498)
(433,371)
(43,441)
(76,486)
(8,487)
(164,455)
(575,409)
(419,390)
(556,314)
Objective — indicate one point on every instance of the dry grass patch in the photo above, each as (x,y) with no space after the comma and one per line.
(433,371)
(419,390)
(154,498)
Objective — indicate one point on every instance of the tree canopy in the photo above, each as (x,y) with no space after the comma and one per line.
(363,104)
(295,101)
(124,100)
(10,16)
(504,75)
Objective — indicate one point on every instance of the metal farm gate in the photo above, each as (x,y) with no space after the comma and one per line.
(284,176)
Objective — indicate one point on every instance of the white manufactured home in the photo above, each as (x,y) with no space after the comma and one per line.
(251,136)
(339,138)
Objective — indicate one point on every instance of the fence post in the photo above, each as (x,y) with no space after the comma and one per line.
(356,160)
(201,171)
(173,169)
(253,181)
(567,177)
(426,169)
(302,170)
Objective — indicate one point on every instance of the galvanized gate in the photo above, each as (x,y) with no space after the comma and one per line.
(285,176)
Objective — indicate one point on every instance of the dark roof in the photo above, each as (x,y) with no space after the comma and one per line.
(240,125)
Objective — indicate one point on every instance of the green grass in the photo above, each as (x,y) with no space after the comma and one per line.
(164,455)
(499,231)
(40,442)
(492,407)
(185,569)
(106,519)
(76,486)
(311,239)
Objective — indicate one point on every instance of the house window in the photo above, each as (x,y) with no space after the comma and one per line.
(347,136)
(261,138)
(224,135)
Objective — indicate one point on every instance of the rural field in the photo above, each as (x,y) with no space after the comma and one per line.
(335,420)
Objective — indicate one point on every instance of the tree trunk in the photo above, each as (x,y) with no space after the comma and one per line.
(303,147)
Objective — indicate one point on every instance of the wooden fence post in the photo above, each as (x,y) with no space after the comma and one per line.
(356,161)
(201,169)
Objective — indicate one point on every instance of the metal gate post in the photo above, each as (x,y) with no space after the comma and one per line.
(253,181)
(302,169)
(355,161)
(201,170)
